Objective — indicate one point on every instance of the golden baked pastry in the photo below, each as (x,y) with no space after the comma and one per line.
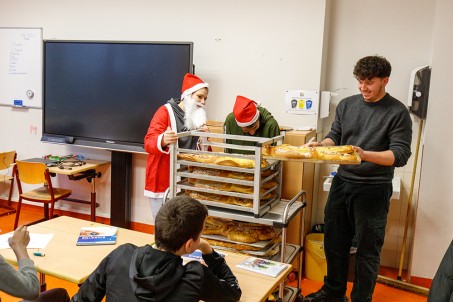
(288,151)
(265,232)
(341,154)
(229,187)
(338,157)
(244,202)
(227,174)
(221,160)
(344,154)
(216,226)
(335,149)
(242,235)
(244,232)
(236,246)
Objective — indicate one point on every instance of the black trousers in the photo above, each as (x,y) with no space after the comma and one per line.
(54,295)
(360,210)
(442,286)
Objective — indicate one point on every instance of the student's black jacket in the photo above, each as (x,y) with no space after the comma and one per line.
(131,273)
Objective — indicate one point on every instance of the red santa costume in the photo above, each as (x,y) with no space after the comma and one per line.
(168,115)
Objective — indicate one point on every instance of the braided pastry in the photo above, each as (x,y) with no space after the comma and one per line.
(227,174)
(244,232)
(342,154)
(221,160)
(229,187)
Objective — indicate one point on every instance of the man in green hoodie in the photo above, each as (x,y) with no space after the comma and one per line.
(249,119)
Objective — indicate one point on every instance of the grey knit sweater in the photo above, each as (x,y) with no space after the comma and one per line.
(21,283)
(372,126)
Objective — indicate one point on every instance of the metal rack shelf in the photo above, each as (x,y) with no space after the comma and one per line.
(274,212)
(273,217)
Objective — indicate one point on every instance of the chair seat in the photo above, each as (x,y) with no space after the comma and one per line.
(42,194)
(5,177)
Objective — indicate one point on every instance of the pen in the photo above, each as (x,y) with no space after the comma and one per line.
(311,139)
(40,254)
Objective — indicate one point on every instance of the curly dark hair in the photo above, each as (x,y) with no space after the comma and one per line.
(372,67)
(178,220)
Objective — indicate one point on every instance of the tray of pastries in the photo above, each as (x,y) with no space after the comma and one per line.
(228,200)
(228,174)
(324,154)
(231,187)
(245,237)
(220,160)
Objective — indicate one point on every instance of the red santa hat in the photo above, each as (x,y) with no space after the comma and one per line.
(191,84)
(245,111)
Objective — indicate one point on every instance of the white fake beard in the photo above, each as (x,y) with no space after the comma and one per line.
(194,116)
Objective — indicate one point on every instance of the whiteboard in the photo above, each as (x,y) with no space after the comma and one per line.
(21,67)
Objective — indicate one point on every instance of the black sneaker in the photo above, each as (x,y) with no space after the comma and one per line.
(322,296)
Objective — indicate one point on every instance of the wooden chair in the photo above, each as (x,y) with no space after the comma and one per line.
(34,173)
(7,159)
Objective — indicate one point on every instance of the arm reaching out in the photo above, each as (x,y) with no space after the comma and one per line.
(19,241)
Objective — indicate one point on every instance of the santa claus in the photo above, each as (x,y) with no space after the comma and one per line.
(187,113)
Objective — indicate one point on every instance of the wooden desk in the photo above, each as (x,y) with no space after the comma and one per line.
(73,263)
(88,172)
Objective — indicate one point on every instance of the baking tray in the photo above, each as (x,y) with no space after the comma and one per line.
(263,252)
(184,172)
(259,244)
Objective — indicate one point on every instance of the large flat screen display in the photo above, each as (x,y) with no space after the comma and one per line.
(104,94)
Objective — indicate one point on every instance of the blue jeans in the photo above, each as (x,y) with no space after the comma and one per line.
(360,210)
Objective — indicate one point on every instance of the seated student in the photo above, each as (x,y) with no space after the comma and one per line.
(148,273)
(442,287)
(24,282)
(249,118)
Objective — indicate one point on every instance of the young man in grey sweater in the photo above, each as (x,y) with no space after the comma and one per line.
(380,129)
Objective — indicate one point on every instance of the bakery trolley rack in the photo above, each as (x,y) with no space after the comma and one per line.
(277,213)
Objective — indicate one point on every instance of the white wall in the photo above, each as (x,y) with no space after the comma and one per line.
(434,223)
(255,48)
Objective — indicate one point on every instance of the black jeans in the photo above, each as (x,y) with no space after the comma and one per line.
(360,210)
(54,295)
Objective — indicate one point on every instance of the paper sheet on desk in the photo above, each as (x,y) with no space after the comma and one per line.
(37,241)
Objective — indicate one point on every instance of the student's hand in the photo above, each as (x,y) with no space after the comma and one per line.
(313,144)
(19,241)
(169,137)
(359,151)
(204,247)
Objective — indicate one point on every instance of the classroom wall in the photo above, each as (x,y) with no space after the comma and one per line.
(255,48)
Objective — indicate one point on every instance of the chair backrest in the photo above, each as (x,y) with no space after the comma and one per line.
(31,172)
(7,159)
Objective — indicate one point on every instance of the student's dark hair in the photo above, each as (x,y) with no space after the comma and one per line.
(372,67)
(178,220)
